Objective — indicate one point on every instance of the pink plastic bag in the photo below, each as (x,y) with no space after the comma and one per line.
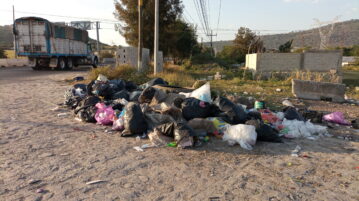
(336,117)
(104,114)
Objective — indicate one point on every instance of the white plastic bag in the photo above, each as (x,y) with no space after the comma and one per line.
(203,93)
(306,129)
(244,135)
(102,78)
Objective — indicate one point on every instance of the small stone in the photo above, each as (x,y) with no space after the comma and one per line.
(143,178)
(128,185)
(40,190)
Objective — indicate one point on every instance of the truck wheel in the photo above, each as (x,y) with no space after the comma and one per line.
(95,62)
(35,64)
(70,64)
(61,64)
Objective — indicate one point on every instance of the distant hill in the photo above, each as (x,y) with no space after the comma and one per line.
(6,38)
(345,34)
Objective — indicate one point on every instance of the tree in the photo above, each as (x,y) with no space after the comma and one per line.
(286,47)
(244,43)
(169,13)
(184,40)
(2,53)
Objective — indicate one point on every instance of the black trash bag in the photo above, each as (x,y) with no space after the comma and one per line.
(130,86)
(167,129)
(121,94)
(181,132)
(117,85)
(253,115)
(153,82)
(86,110)
(233,114)
(74,95)
(134,96)
(266,133)
(103,89)
(313,116)
(183,135)
(88,114)
(291,113)
(147,95)
(89,88)
(135,122)
(194,108)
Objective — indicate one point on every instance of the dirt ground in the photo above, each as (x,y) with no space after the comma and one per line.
(60,155)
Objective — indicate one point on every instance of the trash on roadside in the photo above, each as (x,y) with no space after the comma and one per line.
(95,182)
(336,117)
(244,135)
(172,116)
(63,114)
(295,152)
(104,114)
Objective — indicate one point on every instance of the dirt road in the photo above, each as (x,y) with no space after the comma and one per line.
(39,150)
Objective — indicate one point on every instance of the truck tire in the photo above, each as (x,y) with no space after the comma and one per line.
(61,63)
(69,64)
(35,65)
(95,62)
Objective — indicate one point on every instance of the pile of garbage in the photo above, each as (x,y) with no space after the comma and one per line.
(180,117)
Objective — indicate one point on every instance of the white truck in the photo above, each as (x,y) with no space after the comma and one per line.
(52,45)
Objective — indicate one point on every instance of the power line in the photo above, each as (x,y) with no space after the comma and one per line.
(199,14)
(68,17)
(219,14)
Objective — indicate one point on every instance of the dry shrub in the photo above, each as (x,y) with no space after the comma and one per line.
(177,79)
(125,72)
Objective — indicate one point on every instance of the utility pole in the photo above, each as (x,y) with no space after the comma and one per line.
(139,51)
(13,20)
(211,35)
(156,66)
(98,37)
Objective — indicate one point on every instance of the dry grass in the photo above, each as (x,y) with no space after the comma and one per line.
(124,72)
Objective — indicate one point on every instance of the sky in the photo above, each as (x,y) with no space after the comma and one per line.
(263,16)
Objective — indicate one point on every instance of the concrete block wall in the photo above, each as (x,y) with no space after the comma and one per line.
(128,55)
(322,61)
(13,62)
(315,61)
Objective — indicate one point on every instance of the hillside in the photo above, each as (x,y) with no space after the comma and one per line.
(344,34)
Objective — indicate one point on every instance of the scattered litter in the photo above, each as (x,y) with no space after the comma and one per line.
(287,103)
(40,190)
(138,149)
(78,119)
(298,129)
(278,90)
(102,78)
(336,117)
(63,114)
(296,151)
(34,181)
(55,109)
(78,78)
(95,182)
(244,135)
